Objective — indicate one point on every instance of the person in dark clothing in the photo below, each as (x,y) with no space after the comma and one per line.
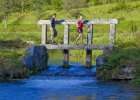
(80,29)
(53,30)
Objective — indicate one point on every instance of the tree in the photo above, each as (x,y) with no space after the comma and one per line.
(74,6)
(24,5)
(57,4)
(37,5)
(6,9)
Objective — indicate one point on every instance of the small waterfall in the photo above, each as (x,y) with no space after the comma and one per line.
(74,72)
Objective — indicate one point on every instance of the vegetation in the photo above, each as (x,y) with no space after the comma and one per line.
(18,25)
(120,58)
(11,66)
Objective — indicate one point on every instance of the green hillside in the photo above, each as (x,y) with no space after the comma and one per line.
(127,16)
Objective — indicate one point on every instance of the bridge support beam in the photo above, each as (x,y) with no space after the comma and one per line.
(66,41)
(89,42)
(88,58)
(44,34)
(112,33)
(66,58)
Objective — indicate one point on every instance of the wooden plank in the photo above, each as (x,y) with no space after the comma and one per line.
(112,33)
(44,34)
(104,21)
(77,47)
(95,21)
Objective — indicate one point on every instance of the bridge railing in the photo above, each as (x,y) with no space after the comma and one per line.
(66,23)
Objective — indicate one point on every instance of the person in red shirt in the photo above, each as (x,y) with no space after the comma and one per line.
(80,29)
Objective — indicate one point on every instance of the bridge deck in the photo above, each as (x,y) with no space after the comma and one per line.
(78,47)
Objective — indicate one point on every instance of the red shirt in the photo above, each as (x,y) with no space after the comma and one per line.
(80,25)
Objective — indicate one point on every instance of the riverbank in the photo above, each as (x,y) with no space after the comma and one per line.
(11,66)
(121,64)
(21,63)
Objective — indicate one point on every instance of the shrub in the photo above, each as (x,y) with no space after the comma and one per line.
(120,58)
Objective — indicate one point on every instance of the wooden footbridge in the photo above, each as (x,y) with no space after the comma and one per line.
(88,47)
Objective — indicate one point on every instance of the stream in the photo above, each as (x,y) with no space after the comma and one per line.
(51,84)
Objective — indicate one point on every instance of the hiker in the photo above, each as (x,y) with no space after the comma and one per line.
(53,30)
(80,30)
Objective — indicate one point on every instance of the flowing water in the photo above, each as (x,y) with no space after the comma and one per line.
(49,86)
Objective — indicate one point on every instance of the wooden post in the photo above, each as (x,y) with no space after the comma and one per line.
(112,33)
(66,41)
(90,35)
(44,34)
(89,42)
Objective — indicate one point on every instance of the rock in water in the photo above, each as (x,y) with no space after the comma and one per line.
(126,72)
(36,57)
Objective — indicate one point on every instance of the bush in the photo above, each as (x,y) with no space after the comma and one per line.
(11,66)
(120,58)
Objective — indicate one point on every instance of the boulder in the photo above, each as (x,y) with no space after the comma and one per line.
(124,73)
(35,58)
(100,60)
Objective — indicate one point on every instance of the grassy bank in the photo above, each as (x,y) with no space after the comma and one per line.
(120,58)
(11,66)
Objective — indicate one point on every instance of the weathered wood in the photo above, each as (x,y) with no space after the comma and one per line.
(89,42)
(66,41)
(77,47)
(44,34)
(112,33)
(66,58)
(90,35)
(66,34)
(95,21)
(88,58)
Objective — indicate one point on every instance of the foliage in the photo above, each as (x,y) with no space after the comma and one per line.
(5,8)
(75,5)
(37,6)
(11,66)
(57,4)
(119,58)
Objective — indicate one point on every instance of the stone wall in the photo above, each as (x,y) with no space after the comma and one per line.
(100,60)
